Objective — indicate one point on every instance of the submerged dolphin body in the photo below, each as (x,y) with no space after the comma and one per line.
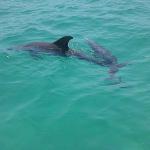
(106,57)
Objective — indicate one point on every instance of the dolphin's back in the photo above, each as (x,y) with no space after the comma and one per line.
(41,45)
(59,47)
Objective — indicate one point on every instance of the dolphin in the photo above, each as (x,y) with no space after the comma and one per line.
(106,57)
(59,47)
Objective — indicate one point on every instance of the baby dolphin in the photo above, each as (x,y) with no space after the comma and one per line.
(106,57)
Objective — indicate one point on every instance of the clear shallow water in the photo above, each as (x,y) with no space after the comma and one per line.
(64,103)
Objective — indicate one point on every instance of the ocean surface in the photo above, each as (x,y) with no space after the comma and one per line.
(58,103)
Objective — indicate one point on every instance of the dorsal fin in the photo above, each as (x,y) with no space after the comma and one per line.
(63,43)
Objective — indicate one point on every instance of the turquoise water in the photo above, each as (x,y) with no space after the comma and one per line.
(58,103)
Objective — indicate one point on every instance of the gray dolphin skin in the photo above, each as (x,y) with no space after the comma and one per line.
(106,57)
(59,47)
